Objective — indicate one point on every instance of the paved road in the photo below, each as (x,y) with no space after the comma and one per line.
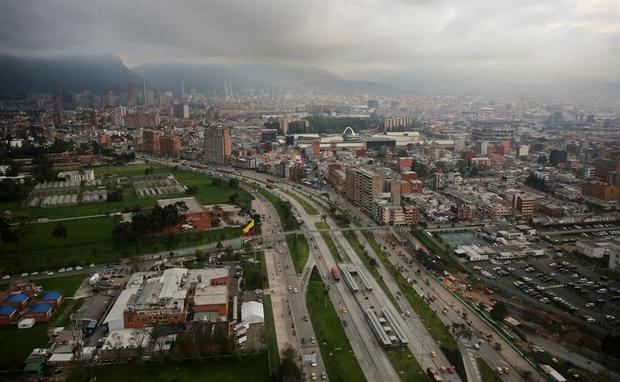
(289,310)
(370,355)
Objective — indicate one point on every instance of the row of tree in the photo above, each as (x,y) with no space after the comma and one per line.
(155,222)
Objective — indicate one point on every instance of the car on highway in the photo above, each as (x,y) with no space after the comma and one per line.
(476,346)
(434,354)
(313,376)
(313,364)
(295,290)
(24,274)
(323,376)
(6,277)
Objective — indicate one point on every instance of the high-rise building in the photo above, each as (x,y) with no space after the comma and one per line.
(132,97)
(439,180)
(142,120)
(180,111)
(182,90)
(169,146)
(217,145)
(368,186)
(151,141)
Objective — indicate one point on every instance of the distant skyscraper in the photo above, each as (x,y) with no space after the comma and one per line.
(145,96)
(217,145)
(132,97)
(182,89)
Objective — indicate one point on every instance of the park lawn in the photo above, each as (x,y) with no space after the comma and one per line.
(309,208)
(79,232)
(254,368)
(406,366)
(18,343)
(328,239)
(371,266)
(270,335)
(67,284)
(340,361)
(208,193)
(105,251)
(299,250)
(487,374)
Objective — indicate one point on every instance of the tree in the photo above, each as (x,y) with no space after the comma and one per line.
(234,198)
(148,171)
(288,370)
(233,183)
(499,311)
(11,191)
(42,169)
(59,231)
(373,263)
(115,196)
(6,233)
(159,337)
(191,190)
(219,245)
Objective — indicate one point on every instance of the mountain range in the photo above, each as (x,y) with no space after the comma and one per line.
(22,75)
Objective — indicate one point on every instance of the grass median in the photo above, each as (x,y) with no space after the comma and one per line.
(406,366)
(340,361)
(487,374)
(299,250)
(289,223)
(271,341)
(309,208)
(328,239)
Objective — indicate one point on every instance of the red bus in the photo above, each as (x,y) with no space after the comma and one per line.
(335,274)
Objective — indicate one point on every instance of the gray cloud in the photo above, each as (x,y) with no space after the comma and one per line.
(355,38)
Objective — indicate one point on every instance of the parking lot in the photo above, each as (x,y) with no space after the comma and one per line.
(553,281)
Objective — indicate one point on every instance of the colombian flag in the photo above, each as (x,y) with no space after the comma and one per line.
(249,229)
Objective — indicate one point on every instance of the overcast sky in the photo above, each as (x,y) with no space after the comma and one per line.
(354,38)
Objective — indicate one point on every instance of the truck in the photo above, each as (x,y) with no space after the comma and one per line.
(335,274)
(94,279)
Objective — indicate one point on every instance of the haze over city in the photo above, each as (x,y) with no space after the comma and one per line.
(406,43)
(299,191)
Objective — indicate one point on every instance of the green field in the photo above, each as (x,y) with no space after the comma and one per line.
(299,250)
(406,366)
(18,343)
(208,193)
(270,334)
(90,241)
(209,370)
(340,361)
(487,374)
(367,260)
(309,208)
(254,274)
